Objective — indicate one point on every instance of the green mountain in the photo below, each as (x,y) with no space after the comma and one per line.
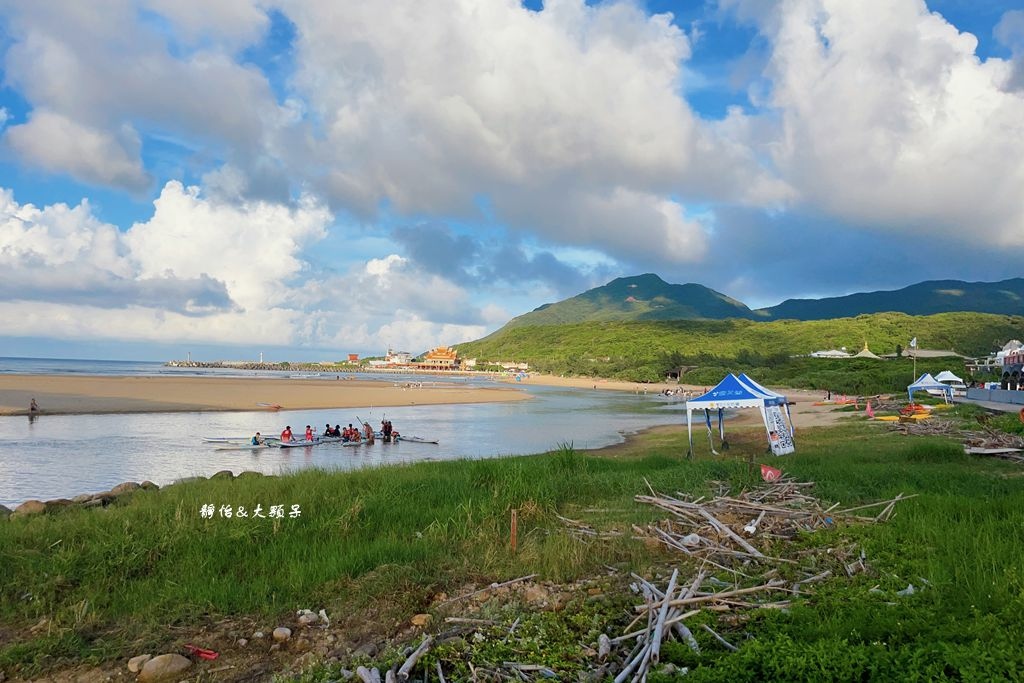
(924,298)
(648,297)
(642,297)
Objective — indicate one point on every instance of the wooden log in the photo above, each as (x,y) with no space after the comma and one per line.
(364,675)
(407,667)
(881,502)
(389,676)
(725,643)
(659,628)
(729,532)
(604,647)
(440,673)
(775,584)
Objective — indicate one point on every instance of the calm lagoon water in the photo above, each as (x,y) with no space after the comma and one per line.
(58,456)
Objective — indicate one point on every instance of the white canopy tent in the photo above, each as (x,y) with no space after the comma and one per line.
(947,376)
(741,392)
(926,382)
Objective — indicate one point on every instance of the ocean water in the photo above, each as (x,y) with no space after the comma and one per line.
(56,456)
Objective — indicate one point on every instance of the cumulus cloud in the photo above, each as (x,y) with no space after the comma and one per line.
(1010,32)
(99,157)
(889,119)
(569,120)
(255,247)
(95,73)
(230,22)
(230,265)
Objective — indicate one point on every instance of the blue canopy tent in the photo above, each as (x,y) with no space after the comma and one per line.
(926,382)
(733,393)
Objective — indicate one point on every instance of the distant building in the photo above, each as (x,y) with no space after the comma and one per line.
(353,358)
(831,353)
(441,358)
(397,357)
(866,353)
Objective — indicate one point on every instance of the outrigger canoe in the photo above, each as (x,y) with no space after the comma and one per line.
(299,444)
(416,439)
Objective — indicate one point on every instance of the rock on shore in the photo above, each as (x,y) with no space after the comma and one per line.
(164,668)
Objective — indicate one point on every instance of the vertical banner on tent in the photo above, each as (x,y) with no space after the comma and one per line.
(779,438)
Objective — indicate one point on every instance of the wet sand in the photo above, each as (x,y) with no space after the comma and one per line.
(58,394)
(805,413)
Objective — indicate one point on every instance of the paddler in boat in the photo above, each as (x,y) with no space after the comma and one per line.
(368,432)
(327,430)
(286,435)
(257,440)
(309,433)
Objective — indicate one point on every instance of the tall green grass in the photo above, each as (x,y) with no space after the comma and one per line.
(100,575)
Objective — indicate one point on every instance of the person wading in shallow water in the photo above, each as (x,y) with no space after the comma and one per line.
(33,407)
(368,431)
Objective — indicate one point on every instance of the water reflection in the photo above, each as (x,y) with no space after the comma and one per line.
(70,454)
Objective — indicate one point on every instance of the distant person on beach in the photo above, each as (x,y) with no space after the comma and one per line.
(257,440)
(33,407)
(286,435)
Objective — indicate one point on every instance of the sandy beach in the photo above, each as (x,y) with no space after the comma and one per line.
(805,413)
(83,394)
(58,394)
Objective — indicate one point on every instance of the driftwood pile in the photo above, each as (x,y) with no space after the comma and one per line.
(977,441)
(740,534)
(739,537)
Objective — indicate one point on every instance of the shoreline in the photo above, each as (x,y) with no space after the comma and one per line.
(131,394)
(103,394)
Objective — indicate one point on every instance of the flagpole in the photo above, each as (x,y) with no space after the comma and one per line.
(913,354)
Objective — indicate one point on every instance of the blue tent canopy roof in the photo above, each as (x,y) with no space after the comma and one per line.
(731,392)
(776,397)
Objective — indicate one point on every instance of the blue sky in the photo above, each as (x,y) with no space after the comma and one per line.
(310,178)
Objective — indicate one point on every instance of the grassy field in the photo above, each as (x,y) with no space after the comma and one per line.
(646,351)
(377,545)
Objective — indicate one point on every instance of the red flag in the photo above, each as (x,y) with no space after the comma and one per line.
(869,410)
(770,473)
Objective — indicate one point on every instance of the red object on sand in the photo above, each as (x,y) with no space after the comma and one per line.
(201,652)
(770,473)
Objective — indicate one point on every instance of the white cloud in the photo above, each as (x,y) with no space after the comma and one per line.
(198,269)
(100,157)
(230,22)
(207,270)
(566,111)
(95,73)
(889,118)
(255,247)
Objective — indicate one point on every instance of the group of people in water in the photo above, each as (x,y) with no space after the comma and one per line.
(347,434)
